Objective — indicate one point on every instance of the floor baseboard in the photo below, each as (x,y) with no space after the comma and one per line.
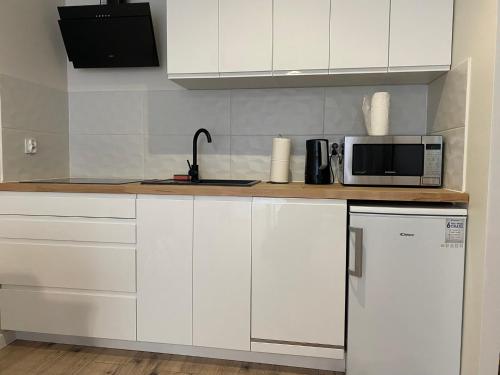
(235,355)
(6,338)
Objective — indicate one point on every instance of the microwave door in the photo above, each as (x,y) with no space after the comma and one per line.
(372,159)
(391,164)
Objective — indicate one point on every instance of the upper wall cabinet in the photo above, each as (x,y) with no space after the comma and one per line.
(421,35)
(248,38)
(245,36)
(193,38)
(359,36)
(301,36)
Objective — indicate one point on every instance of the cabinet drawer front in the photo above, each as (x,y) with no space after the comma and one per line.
(68,313)
(60,204)
(68,265)
(68,229)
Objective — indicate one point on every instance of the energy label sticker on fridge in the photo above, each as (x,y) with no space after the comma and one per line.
(455,230)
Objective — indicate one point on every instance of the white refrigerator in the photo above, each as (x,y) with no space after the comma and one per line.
(405,290)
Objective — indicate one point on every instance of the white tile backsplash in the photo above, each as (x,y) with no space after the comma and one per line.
(32,110)
(30,106)
(448,100)
(408,113)
(184,112)
(107,112)
(102,156)
(277,111)
(447,116)
(168,155)
(453,162)
(242,123)
(51,160)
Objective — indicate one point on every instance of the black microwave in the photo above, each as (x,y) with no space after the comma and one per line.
(392,160)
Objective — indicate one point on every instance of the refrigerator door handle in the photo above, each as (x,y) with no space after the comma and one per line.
(358,253)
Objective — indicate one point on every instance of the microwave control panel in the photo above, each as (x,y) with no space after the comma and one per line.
(433,164)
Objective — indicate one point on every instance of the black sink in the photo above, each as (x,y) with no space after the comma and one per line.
(206,182)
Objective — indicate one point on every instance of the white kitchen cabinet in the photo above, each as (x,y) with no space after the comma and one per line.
(61,264)
(298,276)
(192,38)
(67,312)
(164,269)
(421,35)
(301,41)
(221,272)
(245,37)
(68,229)
(68,204)
(359,36)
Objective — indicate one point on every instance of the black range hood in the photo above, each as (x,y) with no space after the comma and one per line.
(115,35)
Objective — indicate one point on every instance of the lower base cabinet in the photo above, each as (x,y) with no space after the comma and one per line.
(237,273)
(164,269)
(87,314)
(221,272)
(298,276)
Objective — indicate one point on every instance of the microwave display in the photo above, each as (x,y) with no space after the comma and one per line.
(388,159)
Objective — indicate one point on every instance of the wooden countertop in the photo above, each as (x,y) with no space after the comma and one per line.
(263,189)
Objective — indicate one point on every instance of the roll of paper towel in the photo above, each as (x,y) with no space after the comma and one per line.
(280,160)
(376,113)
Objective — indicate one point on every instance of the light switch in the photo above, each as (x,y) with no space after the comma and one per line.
(30,146)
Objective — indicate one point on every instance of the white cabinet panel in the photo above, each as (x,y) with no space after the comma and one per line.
(359,37)
(193,38)
(299,271)
(246,35)
(221,272)
(301,36)
(68,229)
(421,34)
(164,269)
(68,313)
(68,265)
(67,204)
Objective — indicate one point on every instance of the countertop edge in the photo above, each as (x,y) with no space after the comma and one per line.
(266,190)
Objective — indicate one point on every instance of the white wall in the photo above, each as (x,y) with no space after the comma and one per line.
(33,90)
(490,325)
(30,42)
(475,28)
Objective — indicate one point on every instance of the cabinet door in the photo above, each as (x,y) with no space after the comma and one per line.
(164,269)
(192,38)
(421,34)
(298,276)
(221,272)
(301,36)
(359,39)
(246,36)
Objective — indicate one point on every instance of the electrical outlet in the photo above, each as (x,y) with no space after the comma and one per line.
(30,146)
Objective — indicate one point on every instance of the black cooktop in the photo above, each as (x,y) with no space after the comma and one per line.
(87,181)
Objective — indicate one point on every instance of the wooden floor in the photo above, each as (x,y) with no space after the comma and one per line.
(34,358)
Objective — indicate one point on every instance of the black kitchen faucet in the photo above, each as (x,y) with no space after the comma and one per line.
(193,168)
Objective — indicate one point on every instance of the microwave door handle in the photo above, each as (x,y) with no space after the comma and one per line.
(358,252)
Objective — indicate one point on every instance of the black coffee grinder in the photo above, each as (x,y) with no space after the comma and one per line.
(318,162)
